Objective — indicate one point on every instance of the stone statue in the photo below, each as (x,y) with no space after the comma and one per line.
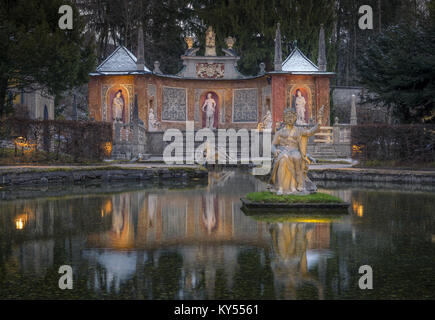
(210,108)
(267,122)
(153,123)
(300,104)
(189,42)
(118,107)
(191,51)
(290,169)
(210,43)
(230,41)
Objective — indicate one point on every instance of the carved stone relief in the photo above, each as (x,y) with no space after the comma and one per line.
(174,104)
(245,105)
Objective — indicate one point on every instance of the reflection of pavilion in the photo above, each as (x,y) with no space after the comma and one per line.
(197,243)
(156,220)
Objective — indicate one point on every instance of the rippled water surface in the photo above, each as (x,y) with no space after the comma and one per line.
(194,242)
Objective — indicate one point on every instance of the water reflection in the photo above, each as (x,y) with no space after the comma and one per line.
(197,244)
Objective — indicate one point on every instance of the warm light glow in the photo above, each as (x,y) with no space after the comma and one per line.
(357,149)
(108,149)
(20,222)
(23,143)
(108,207)
(358,209)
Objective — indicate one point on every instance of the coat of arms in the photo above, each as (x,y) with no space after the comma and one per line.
(210,70)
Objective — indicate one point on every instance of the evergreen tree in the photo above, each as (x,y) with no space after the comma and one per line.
(399,67)
(36,54)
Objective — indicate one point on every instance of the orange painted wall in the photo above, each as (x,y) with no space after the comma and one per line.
(280,91)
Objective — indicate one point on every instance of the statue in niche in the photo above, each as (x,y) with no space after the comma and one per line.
(118,105)
(210,43)
(153,123)
(300,104)
(289,146)
(209,108)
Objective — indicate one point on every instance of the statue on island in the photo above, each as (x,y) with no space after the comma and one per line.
(289,146)
(210,43)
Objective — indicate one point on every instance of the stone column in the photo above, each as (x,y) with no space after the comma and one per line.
(278,49)
(322,62)
(353,114)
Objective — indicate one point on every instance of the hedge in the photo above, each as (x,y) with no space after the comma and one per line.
(77,139)
(405,144)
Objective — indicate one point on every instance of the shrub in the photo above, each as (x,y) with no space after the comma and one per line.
(403,144)
(80,140)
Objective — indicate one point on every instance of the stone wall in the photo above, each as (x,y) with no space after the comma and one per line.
(102,174)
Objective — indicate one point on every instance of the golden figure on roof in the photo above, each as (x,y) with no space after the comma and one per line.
(210,43)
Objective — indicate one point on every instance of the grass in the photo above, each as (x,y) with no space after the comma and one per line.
(269,197)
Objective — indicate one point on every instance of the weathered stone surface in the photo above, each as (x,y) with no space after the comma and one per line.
(41,177)
(245,108)
(373,175)
(174,104)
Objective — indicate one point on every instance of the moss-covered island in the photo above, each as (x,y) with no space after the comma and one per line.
(268,203)
(269,197)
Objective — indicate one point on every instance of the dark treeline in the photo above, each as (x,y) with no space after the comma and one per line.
(368,58)
(252,22)
(394,60)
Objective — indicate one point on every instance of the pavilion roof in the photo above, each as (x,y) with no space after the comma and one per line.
(120,61)
(298,62)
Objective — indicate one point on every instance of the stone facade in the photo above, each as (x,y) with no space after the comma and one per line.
(209,90)
(242,103)
(39,106)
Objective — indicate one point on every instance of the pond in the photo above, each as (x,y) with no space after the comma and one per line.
(140,241)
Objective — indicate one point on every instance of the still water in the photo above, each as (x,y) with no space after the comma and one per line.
(141,241)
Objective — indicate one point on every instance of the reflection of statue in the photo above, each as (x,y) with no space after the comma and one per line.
(210,43)
(300,104)
(118,107)
(210,108)
(290,169)
(289,264)
(267,122)
(153,123)
(209,217)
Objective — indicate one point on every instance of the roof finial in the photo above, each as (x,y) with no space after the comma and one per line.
(278,49)
(322,63)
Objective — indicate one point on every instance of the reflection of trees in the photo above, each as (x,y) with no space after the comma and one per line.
(289,264)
